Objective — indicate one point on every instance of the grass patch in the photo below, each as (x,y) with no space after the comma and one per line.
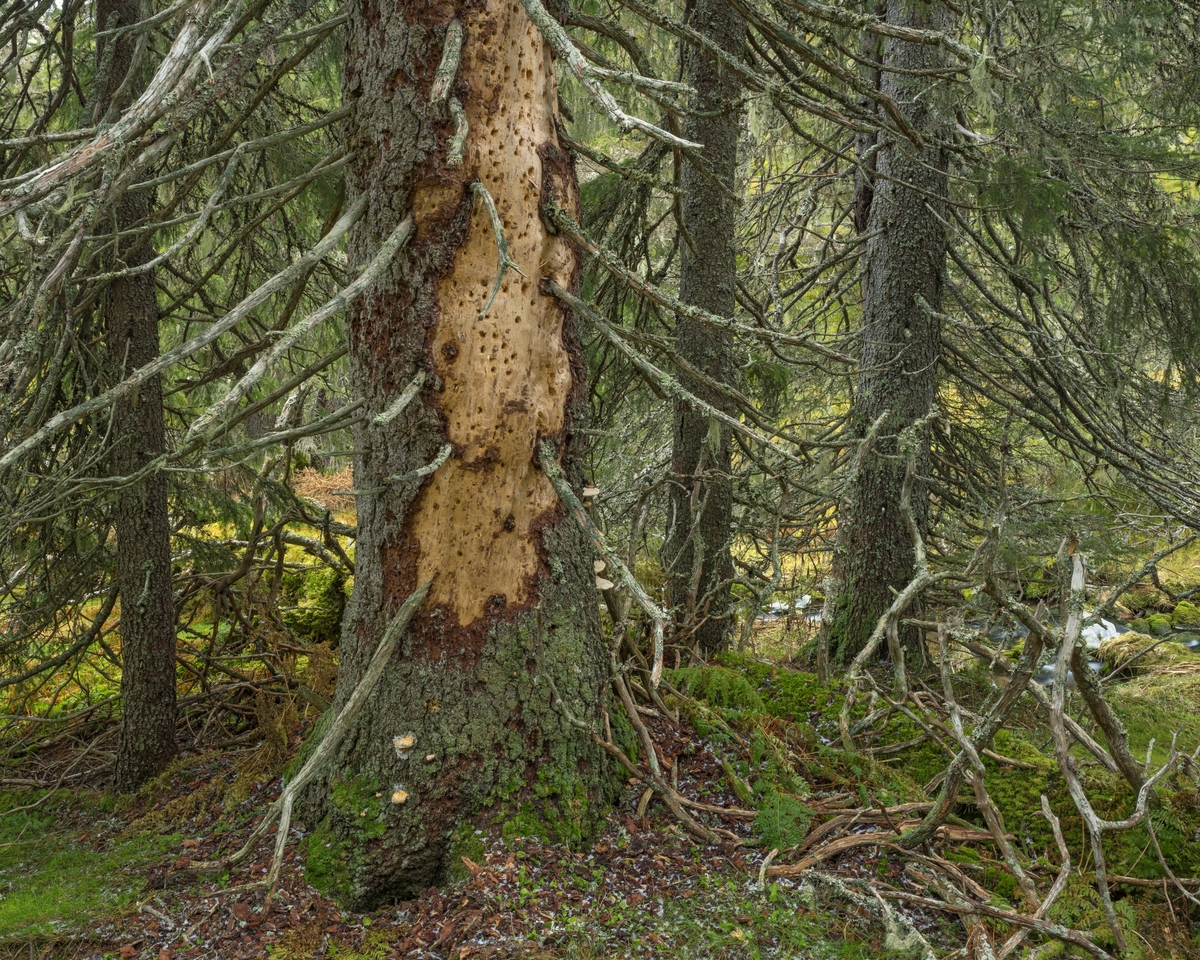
(57,879)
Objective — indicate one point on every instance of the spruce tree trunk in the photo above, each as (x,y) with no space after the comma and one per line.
(904,264)
(462,731)
(147,742)
(697,549)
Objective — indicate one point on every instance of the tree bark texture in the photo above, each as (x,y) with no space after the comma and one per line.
(463,731)
(143,569)
(697,547)
(902,265)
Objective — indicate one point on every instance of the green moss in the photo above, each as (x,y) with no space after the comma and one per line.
(624,736)
(1186,615)
(1044,586)
(1001,883)
(1017,791)
(357,817)
(1139,625)
(1144,596)
(560,813)
(787,694)
(327,863)
(360,801)
(321,599)
(466,844)
(523,823)
(1159,623)
(53,880)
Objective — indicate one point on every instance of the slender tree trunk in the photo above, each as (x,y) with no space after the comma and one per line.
(143,528)
(697,549)
(469,726)
(902,265)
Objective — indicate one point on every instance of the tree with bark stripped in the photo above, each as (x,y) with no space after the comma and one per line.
(473,717)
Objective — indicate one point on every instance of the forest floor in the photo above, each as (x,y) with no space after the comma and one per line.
(85,875)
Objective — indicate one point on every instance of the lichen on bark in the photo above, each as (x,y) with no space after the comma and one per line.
(697,550)
(902,273)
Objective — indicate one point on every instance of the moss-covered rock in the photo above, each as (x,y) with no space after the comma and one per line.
(1186,614)
(1159,623)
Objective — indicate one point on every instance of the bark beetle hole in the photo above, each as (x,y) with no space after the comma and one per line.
(497,603)
(450,350)
(510,523)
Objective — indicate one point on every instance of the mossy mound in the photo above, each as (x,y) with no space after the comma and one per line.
(1159,624)
(320,597)
(1143,653)
(788,694)
(1186,615)
(752,731)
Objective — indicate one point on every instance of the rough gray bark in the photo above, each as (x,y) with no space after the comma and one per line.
(463,731)
(143,527)
(696,550)
(903,265)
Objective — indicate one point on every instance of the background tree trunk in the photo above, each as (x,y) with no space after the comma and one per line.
(701,502)
(512,612)
(901,341)
(143,527)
